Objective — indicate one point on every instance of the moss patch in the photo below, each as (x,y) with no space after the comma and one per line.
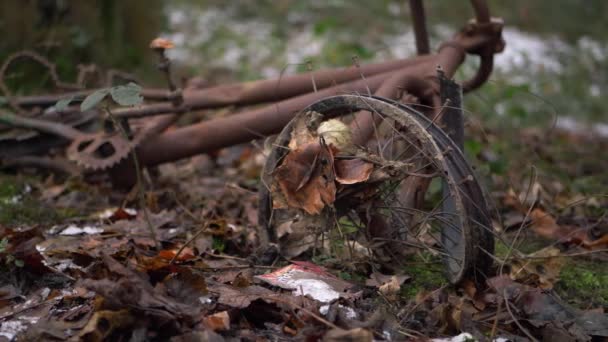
(584,284)
(425,276)
(19,207)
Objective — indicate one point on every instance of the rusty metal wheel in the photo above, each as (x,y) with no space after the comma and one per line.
(407,192)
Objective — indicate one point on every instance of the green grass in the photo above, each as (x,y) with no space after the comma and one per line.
(584,284)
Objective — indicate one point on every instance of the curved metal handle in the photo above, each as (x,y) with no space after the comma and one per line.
(482,15)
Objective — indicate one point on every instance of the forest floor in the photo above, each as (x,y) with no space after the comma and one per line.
(78,261)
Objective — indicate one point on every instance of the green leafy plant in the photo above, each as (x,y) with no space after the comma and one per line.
(123,95)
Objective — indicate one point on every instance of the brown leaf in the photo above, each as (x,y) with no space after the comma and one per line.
(546,226)
(238,297)
(104,323)
(306,178)
(378,279)
(541,268)
(187,286)
(186,254)
(133,290)
(121,214)
(218,321)
(351,171)
(390,289)
(353,335)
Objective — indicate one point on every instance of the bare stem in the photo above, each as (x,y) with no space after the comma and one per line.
(140,183)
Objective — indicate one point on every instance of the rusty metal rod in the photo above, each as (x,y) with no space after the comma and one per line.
(264,91)
(249,92)
(239,128)
(419,24)
(242,127)
(423,84)
(482,12)
(196,103)
(363,126)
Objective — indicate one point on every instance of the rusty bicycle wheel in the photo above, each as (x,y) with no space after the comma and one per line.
(408,191)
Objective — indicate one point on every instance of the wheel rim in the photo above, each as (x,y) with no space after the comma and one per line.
(455,210)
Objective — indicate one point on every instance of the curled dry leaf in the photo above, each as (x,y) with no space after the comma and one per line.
(306,177)
(336,132)
(351,171)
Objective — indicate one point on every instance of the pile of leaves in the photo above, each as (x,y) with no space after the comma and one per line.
(100,274)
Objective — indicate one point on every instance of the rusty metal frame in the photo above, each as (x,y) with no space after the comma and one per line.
(414,78)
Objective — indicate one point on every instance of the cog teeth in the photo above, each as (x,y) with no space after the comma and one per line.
(121,152)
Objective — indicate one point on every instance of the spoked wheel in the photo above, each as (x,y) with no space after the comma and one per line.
(406,192)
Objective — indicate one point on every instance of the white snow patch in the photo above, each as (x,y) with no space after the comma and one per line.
(570,124)
(205,300)
(350,312)
(75,230)
(302,46)
(459,338)
(10,329)
(529,51)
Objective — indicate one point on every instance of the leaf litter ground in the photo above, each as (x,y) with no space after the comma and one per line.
(93,273)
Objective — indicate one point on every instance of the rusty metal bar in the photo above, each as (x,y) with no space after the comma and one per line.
(364,123)
(249,125)
(246,126)
(482,12)
(249,92)
(423,84)
(419,25)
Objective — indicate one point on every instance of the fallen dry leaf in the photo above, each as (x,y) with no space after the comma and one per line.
(186,254)
(187,286)
(351,171)
(308,279)
(378,279)
(218,321)
(541,268)
(306,177)
(336,132)
(122,214)
(390,289)
(104,323)
(546,226)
